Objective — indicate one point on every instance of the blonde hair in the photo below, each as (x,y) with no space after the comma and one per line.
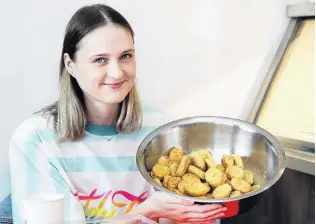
(69,111)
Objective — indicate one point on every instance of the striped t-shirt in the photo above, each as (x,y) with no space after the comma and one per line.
(98,176)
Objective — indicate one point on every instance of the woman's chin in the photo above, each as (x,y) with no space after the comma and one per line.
(112,100)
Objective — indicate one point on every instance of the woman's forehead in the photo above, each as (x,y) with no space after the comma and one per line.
(109,39)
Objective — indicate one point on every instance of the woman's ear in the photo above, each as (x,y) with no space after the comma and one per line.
(69,64)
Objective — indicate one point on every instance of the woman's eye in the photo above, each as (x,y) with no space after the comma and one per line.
(100,60)
(126,56)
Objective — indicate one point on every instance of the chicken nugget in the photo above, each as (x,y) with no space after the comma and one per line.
(197,171)
(235,194)
(166,180)
(173,182)
(240,185)
(234,171)
(214,177)
(220,167)
(158,181)
(164,160)
(255,187)
(227,160)
(224,179)
(248,177)
(195,189)
(177,191)
(184,164)
(159,171)
(203,197)
(198,161)
(181,186)
(175,155)
(190,177)
(204,153)
(209,195)
(207,185)
(173,168)
(222,191)
(238,161)
(210,162)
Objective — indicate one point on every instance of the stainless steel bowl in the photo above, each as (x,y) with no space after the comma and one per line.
(260,151)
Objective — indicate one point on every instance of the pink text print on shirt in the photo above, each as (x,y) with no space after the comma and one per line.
(93,212)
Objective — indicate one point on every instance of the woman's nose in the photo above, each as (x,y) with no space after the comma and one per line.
(114,70)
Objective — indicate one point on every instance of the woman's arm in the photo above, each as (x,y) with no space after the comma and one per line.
(33,172)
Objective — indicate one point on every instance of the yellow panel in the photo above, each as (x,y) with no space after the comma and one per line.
(289,108)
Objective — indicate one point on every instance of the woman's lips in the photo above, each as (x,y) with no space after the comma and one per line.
(114,85)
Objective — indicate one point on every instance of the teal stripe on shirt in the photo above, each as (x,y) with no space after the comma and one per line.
(31,172)
(40,136)
(139,135)
(102,130)
(99,164)
(48,135)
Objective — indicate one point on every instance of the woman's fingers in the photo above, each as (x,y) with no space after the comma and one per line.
(194,217)
(205,215)
(213,221)
(216,216)
(194,213)
(212,207)
(214,212)
(197,210)
(200,208)
(206,220)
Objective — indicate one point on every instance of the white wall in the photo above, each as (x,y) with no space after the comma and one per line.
(194,57)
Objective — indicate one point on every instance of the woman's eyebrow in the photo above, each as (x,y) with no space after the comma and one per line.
(129,50)
(104,54)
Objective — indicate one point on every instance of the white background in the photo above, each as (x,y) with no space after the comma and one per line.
(195,57)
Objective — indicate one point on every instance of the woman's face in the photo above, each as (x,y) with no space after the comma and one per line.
(105,64)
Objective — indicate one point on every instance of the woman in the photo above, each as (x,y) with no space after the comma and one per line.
(84,145)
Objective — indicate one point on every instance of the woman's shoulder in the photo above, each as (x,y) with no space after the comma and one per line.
(37,127)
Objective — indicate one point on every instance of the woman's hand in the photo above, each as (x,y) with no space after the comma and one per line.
(161,205)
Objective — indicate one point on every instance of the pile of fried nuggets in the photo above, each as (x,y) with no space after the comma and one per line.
(198,175)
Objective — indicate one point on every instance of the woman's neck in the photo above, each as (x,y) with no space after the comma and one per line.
(101,113)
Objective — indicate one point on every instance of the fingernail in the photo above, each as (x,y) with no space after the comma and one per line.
(224,209)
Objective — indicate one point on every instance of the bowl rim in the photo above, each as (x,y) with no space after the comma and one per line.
(279,151)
